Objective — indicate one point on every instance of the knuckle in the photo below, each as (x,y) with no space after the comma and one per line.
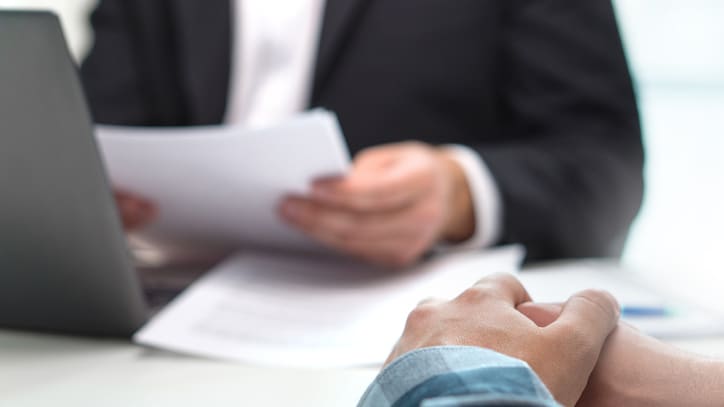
(500,278)
(422,315)
(507,278)
(601,300)
(494,282)
(475,294)
(428,301)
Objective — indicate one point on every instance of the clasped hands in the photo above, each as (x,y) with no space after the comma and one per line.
(562,345)
(579,349)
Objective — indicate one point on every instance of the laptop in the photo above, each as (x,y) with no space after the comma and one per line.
(64,263)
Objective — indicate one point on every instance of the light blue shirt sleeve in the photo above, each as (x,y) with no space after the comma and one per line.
(457,376)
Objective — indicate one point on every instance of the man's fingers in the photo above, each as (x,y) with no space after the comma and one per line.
(374,191)
(383,178)
(590,315)
(499,286)
(388,253)
(390,239)
(376,242)
(135,212)
(346,225)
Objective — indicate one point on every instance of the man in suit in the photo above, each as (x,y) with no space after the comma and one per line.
(522,113)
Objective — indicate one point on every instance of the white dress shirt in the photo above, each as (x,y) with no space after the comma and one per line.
(274,54)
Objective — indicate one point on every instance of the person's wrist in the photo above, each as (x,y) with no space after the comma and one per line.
(681,379)
(706,383)
(460,217)
(636,369)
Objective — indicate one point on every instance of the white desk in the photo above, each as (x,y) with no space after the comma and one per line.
(39,370)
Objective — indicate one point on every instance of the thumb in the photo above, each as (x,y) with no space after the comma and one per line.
(581,330)
(592,312)
(375,159)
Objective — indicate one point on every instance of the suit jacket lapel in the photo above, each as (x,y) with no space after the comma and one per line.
(204,41)
(340,17)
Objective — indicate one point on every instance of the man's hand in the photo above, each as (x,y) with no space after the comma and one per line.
(563,353)
(637,370)
(136,212)
(397,202)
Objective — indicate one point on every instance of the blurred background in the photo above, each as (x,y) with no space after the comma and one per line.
(676,50)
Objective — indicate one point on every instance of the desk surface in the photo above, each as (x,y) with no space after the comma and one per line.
(36,369)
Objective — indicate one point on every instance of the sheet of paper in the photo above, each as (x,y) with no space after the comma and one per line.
(310,311)
(686,320)
(218,187)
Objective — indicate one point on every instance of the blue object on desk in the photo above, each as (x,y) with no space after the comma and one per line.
(645,311)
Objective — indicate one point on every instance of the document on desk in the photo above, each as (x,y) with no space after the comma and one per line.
(218,187)
(308,311)
(654,313)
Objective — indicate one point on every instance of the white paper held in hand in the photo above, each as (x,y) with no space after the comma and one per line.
(217,188)
(310,311)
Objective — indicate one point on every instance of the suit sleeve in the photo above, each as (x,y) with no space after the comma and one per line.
(110,72)
(570,170)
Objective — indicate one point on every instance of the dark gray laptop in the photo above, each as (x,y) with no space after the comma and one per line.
(64,263)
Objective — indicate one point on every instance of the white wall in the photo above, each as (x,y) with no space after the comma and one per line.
(677,52)
(675,41)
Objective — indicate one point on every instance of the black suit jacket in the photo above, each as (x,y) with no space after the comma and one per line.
(540,88)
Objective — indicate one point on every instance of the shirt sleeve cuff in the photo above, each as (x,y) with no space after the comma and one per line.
(415,368)
(487,202)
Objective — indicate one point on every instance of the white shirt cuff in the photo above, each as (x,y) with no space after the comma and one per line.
(487,202)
